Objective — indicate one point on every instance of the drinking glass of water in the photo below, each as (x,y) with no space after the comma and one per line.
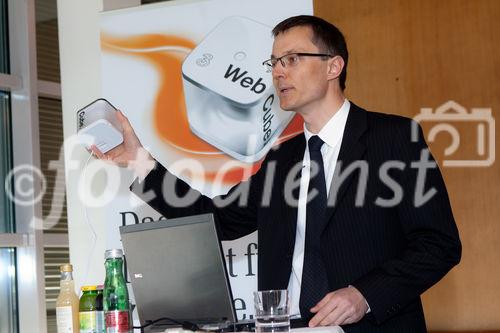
(272,312)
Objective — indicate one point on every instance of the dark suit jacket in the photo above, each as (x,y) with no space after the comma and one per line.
(390,254)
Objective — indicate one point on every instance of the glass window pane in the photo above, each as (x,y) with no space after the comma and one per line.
(4,40)
(6,205)
(8,293)
(47,42)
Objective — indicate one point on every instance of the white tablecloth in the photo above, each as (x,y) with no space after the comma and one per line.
(323,329)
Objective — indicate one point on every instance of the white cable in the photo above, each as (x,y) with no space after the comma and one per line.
(94,234)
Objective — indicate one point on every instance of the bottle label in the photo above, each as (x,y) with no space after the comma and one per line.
(117,322)
(88,322)
(100,327)
(64,319)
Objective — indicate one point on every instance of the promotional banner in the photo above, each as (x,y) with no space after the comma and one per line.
(189,77)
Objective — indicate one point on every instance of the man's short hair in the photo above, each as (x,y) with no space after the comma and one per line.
(327,37)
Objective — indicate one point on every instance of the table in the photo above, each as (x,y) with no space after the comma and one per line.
(324,329)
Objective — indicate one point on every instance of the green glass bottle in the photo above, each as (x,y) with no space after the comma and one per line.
(88,312)
(116,302)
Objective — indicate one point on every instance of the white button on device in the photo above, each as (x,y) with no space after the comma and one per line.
(230,99)
(97,125)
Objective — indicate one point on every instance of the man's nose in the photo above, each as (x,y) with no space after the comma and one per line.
(278,70)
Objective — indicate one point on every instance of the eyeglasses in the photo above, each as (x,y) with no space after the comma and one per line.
(291,59)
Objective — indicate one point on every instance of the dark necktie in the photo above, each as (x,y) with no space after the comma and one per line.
(314,285)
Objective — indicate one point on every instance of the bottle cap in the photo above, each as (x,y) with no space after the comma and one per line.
(89,288)
(113,253)
(66,268)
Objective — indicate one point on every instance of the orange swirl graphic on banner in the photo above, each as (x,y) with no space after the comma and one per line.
(166,53)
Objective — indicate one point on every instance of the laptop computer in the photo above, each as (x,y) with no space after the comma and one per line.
(177,270)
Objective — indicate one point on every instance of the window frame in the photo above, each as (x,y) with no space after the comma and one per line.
(25,88)
(28,240)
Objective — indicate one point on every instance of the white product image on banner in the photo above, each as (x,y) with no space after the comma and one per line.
(142,52)
(230,99)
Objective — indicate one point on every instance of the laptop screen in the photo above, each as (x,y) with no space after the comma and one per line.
(177,270)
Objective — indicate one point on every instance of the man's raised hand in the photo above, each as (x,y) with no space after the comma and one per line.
(125,152)
(130,153)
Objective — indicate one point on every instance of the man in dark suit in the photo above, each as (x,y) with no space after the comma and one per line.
(353,216)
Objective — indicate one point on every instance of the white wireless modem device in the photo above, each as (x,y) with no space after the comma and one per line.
(97,125)
(230,99)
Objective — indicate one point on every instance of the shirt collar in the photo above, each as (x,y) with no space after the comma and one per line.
(333,130)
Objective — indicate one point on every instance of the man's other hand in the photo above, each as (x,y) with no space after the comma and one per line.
(340,307)
(130,153)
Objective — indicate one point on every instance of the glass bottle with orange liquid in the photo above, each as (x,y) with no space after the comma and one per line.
(67,304)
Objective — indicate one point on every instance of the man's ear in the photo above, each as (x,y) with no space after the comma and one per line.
(335,67)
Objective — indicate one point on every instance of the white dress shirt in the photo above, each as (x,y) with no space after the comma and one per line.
(331,134)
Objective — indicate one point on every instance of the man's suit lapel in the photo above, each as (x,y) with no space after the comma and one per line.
(351,150)
(295,151)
